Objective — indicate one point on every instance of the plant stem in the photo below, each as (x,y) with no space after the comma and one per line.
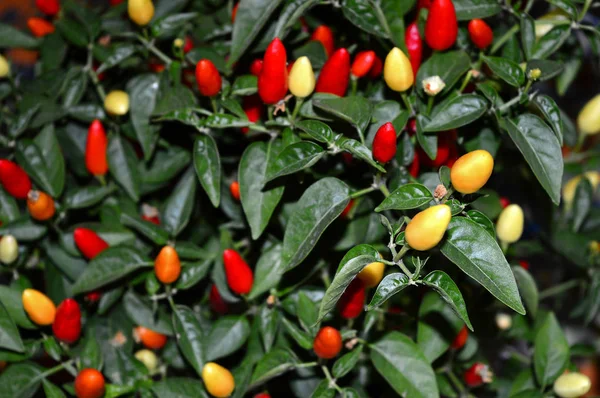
(362,192)
(455,382)
(563,287)
(405,270)
(213,102)
(150,46)
(401,253)
(505,37)
(354,83)
(332,382)
(407,103)
(297,107)
(465,81)
(430,104)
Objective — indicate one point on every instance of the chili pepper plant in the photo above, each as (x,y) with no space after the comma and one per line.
(306,198)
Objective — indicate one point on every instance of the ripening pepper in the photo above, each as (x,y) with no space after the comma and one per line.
(273,78)
(397,71)
(148,358)
(253,108)
(67,322)
(588,120)
(117,103)
(9,249)
(4,67)
(218,381)
(441,28)
(477,375)
(471,171)
(414,46)
(149,338)
(572,385)
(327,343)
(39,27)
(140,11)
(14,179)
(427,228)
(216,301)
(335,75)
(377,68)
(324,35)
(48,7)
(188,44)
(481,34)
(95,149)
(372,274)
(234,188)
(362,64)
(509,226)
(568,191)
(88,242)
(302,78)
(256,67)
(461,339)
(238,273)
(167,265)
(208,78)
(89,383)
(40,205)
(352,302)
(38,306)
(384,143)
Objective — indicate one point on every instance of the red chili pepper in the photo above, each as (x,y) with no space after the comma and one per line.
(39,27)
(208,78)
(453,156)
(234,12)
(415,166)
(504,201)
(150,213)
(377,68)
(384,143)
(423,4)
(324,35)
(477,375)
(100,76)
(347,209)
(414,45)
(262,395)
(446,148)
(335,74)
(524,264)
(48,7)
(352,302)
(95,149)
(461,338)
(216,301)
(188,45)
(156,66)
(363,62)
(94,296)
(441,28)
(273,78)
(481,33)
(238,273)
(253,107)
(289,66)
(88,242)
(67,322)
(234,188)
(256,67)
(14,179)
(115,2)
(348,159)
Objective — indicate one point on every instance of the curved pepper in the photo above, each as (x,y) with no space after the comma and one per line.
(335,75)
(414,46)
(481,34)
(363,62)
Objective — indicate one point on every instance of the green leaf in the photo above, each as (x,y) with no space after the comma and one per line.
(317,130)
(228,334)
(52,391)
(408,196)
(565,5)
(253,14)
(364,15)
(551,41)
(402,364)
(179,387)
(323,390)
(470,9)
(549,68)
(86,112)
(43,161)
(447,289)
(449,66)
(245,85)
(273,364)
(87,196)
(477,254)
(307,312)
(9,334)
(24,229)
(189,336)
(388,287)
(268,272)
(72,31)
(527,34)
(176,99)
(21,380)
(314,50)
(122,163)
(258,204)
(143,92)
(112,264)
(150,230)
(192,273)
(169,25)
(23,121)
(269,324)
(459,112)
(294,158)
(346,363)
(318,207)
(223,120)
(143,312)
(299,336)
(527,288)
(551,351)
(75,86)
(179,206)
(118,54)
(289,16)
(541,150)
(355,110)
(506,70)
(358,150)
(567,76)
(11,37)
(551,112)
(13,304)
(9,210)
(583,201)
(483,221)
(353,262)
(207,164)
(427,142)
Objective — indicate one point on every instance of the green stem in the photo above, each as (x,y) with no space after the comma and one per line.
(447,196)
(407,103)
(297,107)
(354,83)
(506,37)
(362,192)
(563,287)
(430,104)
(401,253)
(332,382)
(455,381)
(150,46)
(584,10)
(527,86)
(405,270)
(580,142)
(384,190)
(466,81)
(213,102)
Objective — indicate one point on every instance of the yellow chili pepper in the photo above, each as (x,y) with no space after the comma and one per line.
(4,67)
(148,358)
(397,71)
(427,228)
(9,249)
(38,306)
(572,385)
(117,103)
(372,274)
(218,381)
(140,11)
(509,226)
(301,80)
(471,171)
(588,120)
